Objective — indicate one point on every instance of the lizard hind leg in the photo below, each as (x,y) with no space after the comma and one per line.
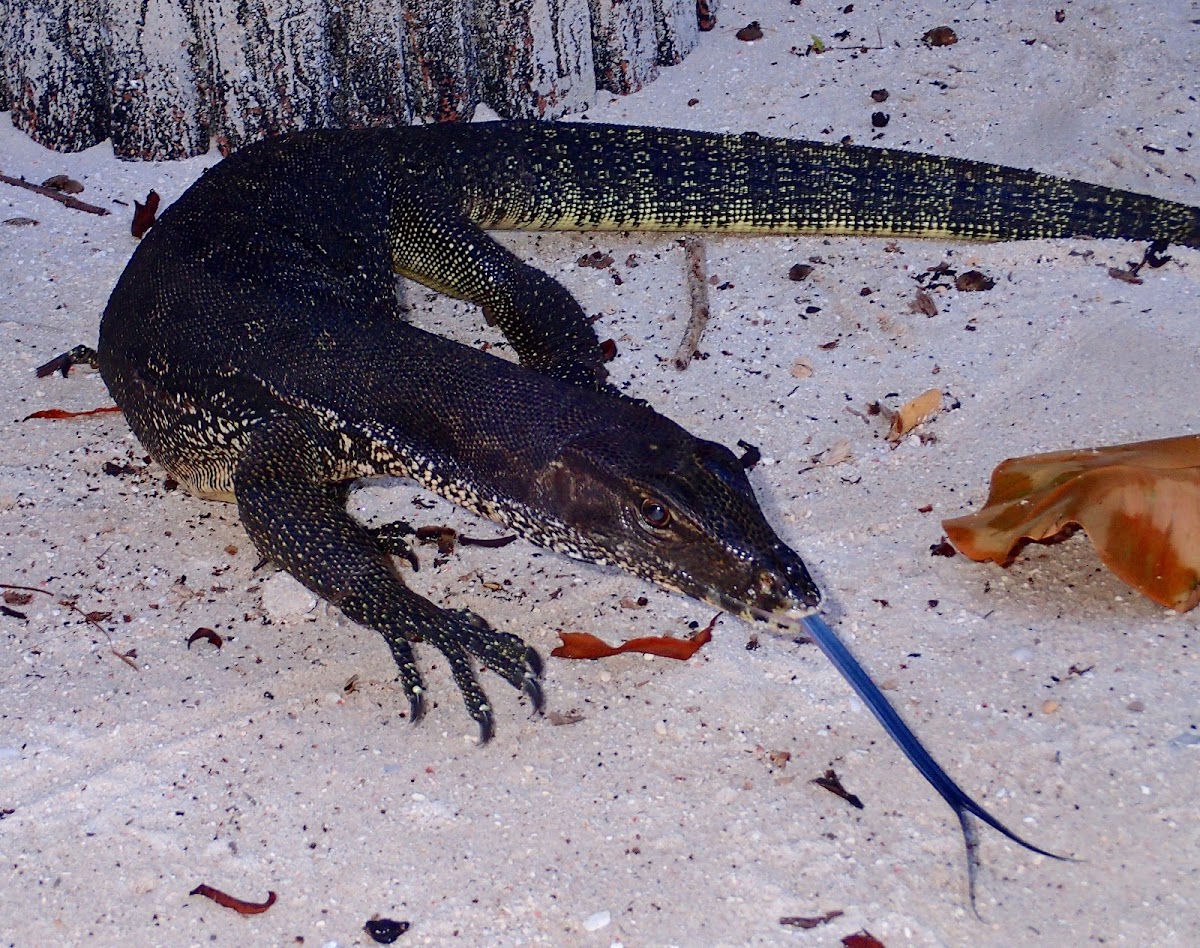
(543,322)
(293,506)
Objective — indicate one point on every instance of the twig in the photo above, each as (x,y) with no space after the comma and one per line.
(126,657)
(56,195)
(696,269)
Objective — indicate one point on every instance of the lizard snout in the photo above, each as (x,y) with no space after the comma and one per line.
(784,585)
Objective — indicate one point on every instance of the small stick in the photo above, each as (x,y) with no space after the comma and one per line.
(126,657)
(696,269)
(56,195)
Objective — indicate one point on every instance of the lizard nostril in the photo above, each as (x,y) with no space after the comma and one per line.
(769,584)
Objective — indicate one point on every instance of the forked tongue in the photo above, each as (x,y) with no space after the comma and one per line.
(964,807)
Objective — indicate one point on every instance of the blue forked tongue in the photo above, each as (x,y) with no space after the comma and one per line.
(964,807)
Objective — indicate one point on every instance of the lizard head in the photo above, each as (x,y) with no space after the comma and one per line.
(674,509)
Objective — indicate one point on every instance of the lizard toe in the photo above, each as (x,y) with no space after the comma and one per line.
(410,677)
(533,662)
(478,706)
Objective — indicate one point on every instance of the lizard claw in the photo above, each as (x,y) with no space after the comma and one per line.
(487,726)
(416,706)
(533,688)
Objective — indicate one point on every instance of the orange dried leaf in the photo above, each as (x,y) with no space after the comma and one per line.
(1138,503)
(916,412)
(586,645)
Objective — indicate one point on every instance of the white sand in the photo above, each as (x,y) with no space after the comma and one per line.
(250,768)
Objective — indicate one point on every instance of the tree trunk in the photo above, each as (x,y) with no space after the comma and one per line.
(167,78)
(154,107)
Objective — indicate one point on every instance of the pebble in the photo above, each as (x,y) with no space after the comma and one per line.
(597,921)
(284,599)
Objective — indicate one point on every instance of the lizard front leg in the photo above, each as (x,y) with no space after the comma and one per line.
(293,506)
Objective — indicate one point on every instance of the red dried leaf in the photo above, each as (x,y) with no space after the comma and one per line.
(444,537)
(240,906)
(58,414)
(862,939)
(207,634)
(493,543)
(144,214)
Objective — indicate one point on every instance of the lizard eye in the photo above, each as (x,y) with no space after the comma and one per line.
(655,513)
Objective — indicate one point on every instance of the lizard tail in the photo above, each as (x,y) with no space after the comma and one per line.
(583,177)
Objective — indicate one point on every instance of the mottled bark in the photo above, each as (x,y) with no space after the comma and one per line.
(624,44)
(155,108)
(58,86)
(5,92)
(367,42)
(440,60)
(269,67)
(534,56)
(168,78)
(678,28)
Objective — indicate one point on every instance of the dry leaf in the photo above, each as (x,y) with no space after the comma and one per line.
(940,36)
(837,453)
(916,412)
(973,281)
(923,304)
(586,645)
(1138,503)
(802,368)
(59,414)
(750,32)
(64,183)
(241,906)
(862,939)
(144,215)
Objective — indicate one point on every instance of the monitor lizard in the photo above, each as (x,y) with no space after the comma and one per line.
(258,351)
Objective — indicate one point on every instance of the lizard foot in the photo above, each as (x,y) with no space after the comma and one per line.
(460,636)
(299,519)
(64,362)
(389,539)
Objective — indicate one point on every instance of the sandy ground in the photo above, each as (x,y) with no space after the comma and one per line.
(666,813)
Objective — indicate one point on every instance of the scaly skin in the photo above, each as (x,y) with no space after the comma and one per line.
(256,348)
